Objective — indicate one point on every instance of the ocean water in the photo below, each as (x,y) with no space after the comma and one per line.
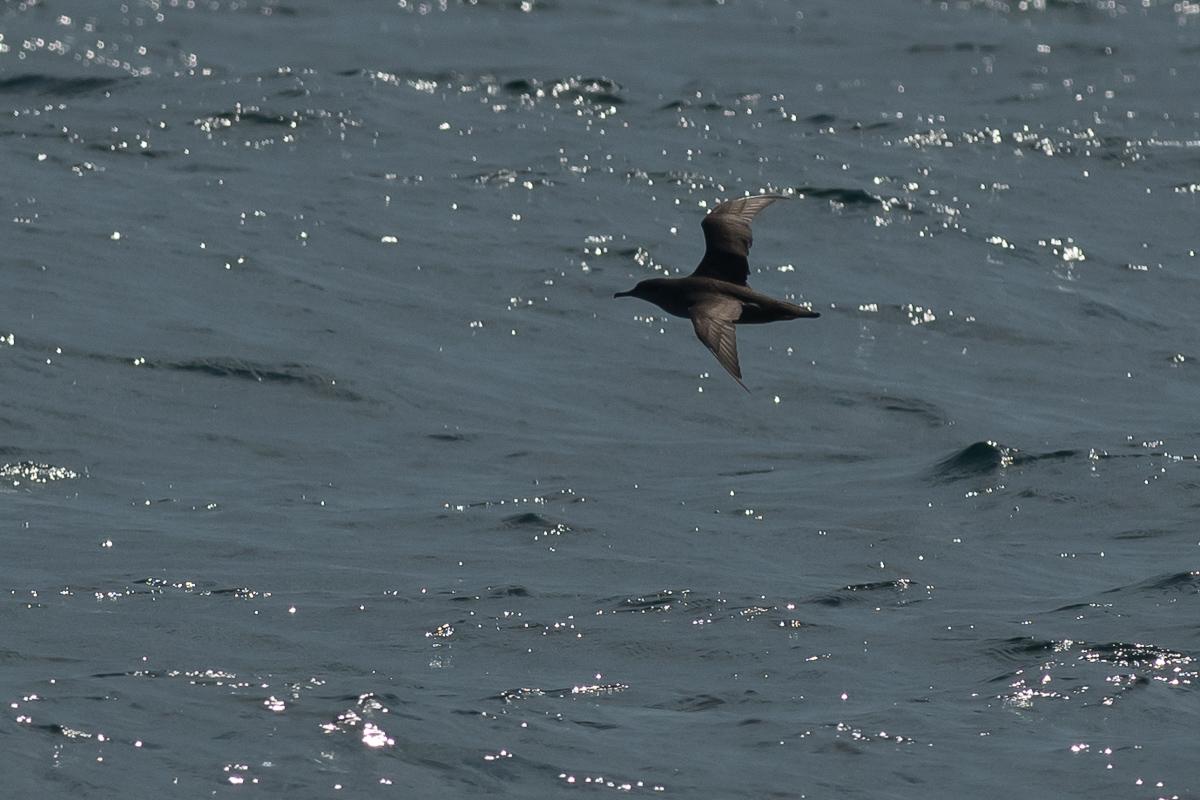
(331,468)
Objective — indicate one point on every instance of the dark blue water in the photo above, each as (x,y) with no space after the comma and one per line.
(332,468)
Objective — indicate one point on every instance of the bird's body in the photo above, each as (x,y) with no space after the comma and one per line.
(715,297)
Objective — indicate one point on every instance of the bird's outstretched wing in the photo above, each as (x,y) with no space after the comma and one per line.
(713,321)
(727,238)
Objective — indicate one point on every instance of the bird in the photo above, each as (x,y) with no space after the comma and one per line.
(715,297)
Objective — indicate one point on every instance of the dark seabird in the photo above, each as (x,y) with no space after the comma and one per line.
(715,297)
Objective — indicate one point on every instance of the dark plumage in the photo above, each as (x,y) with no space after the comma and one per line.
(715,296)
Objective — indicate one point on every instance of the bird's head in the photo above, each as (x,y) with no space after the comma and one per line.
(645,290)
(664,293)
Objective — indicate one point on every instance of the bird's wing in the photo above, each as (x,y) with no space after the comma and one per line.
(727,238)
(713,321)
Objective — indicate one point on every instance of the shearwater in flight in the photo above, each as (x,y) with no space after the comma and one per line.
(715,296)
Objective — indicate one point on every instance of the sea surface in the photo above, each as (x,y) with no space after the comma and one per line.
(331,467)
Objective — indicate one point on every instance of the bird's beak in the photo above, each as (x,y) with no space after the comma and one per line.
(622,294)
